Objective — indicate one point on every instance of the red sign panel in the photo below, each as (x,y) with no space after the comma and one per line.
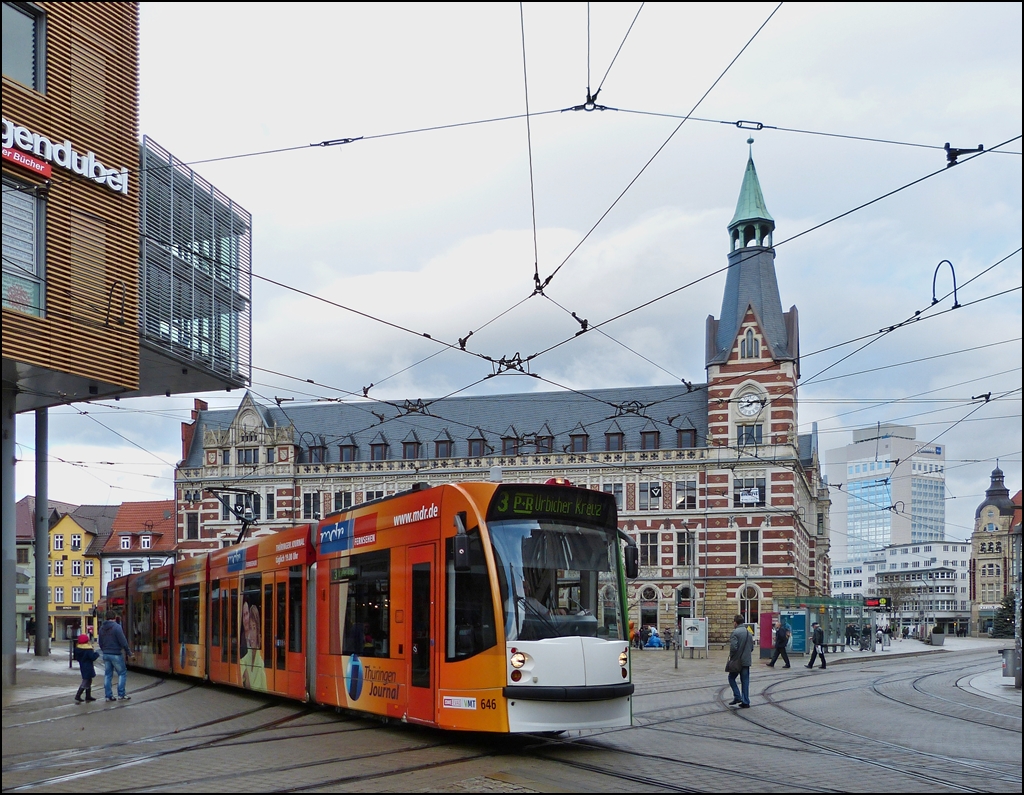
(39,167)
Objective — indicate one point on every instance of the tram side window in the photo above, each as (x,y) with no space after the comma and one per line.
(469,608)
(231,632)
(215,613)
(295,609)
(188,614)
(251,623)
(368,606)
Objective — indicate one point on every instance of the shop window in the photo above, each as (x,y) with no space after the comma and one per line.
(23,236)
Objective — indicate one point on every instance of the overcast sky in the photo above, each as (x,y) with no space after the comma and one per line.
(433,230)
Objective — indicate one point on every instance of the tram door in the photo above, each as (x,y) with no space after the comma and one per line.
(421,673)
(275,625)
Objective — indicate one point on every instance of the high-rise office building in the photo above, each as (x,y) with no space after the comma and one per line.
(888,488)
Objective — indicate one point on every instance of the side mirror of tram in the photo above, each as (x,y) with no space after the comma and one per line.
(632,562)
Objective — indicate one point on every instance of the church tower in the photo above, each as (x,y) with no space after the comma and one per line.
(767,528)
(753,349)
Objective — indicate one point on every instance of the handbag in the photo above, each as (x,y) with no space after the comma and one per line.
(733,666)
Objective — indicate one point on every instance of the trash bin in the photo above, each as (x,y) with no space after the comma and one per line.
(1008,661)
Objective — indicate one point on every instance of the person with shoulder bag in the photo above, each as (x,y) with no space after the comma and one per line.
(741,645)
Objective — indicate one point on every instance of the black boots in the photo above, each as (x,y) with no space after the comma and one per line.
(88,694)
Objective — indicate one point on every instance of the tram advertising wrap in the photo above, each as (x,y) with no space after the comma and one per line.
(472,606)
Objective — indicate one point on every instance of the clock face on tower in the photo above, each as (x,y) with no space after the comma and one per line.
(750,405)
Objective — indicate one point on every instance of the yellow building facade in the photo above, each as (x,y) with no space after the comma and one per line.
(74,585)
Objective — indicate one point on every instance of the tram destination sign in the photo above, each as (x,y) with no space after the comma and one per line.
(553,502)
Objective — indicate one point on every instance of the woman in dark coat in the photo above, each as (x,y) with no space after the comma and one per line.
(86,656)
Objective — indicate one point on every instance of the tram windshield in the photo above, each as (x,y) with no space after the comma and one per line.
(557,579)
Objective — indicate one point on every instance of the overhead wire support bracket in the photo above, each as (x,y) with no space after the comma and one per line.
(952,153)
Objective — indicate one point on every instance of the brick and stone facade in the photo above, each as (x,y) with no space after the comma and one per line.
(721,493)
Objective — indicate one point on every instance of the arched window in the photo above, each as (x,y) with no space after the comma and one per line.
(750,346)
(749,604)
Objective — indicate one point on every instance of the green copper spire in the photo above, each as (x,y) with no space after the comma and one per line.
(751,206)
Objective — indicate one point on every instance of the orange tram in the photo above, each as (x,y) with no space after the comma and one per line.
(476,606)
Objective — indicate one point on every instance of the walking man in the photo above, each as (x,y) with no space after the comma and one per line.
(781,641)
(114,646)
(30,633)
(818,639)
(741,644)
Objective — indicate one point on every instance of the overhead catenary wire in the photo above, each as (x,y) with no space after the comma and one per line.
(529,146)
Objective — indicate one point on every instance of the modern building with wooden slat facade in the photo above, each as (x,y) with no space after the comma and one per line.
(70,239)
(125,274)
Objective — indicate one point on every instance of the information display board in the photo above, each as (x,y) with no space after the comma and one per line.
(695,633)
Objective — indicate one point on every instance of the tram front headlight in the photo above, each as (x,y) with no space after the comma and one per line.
(624,658)
(517,660)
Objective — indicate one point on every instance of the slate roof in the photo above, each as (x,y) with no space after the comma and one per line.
(98,519)
(598,411)
(25,516)
(751,282)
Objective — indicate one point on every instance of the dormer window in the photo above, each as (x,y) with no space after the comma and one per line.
(443,448)
(317,454)
(347,452)
(410,450)
(750,346)
(686,438)
(126,542)
(545,444)
(510,446)
(378,452)
(650,440)
(578,443)
(613,441)
(476,448)
(146,542)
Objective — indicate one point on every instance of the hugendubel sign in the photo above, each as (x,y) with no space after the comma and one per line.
(35,152)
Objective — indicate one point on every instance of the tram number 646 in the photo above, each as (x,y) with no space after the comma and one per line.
(488,703)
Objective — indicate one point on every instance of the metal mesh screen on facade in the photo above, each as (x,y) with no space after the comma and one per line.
(196,268)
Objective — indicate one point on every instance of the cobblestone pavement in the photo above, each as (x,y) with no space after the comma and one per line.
(911,719)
